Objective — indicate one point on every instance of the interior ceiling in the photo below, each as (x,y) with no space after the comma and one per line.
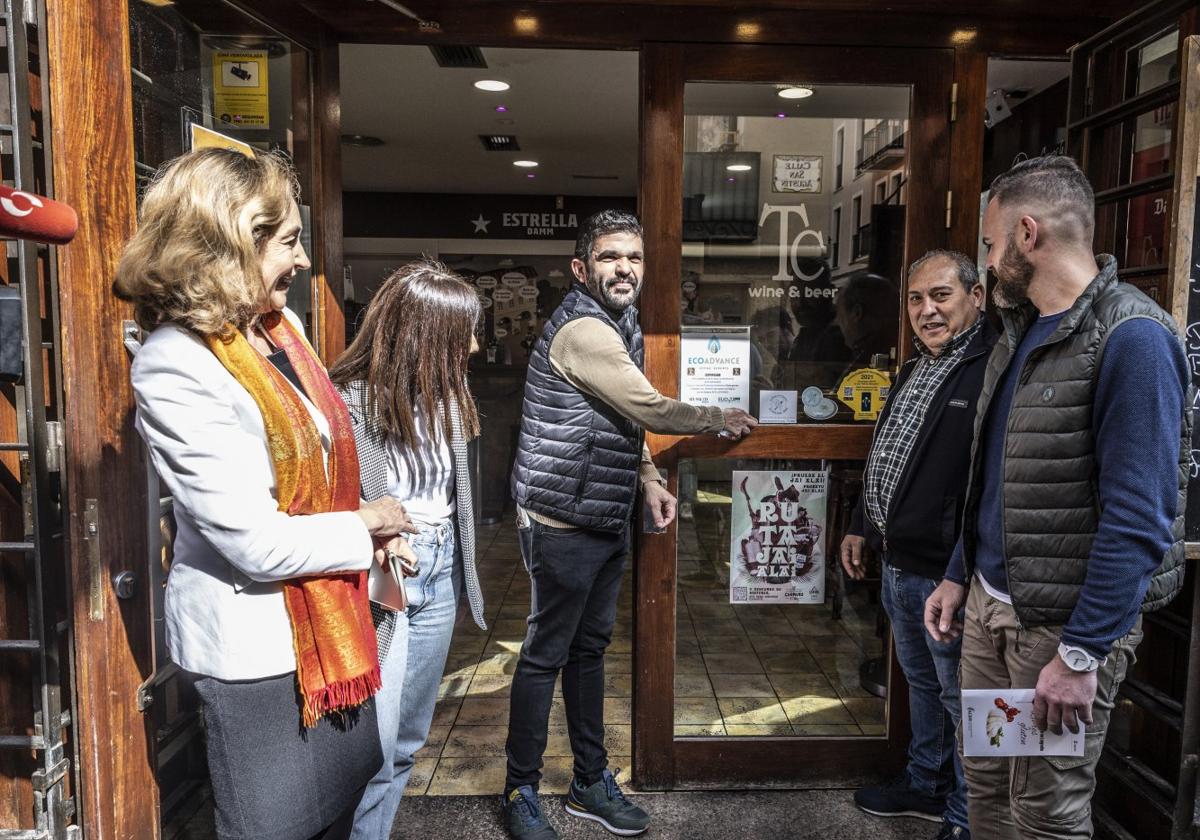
(573,111)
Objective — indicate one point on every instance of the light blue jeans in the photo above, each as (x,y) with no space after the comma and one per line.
(412,671)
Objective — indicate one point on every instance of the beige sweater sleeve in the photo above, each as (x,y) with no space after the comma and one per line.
(591,356)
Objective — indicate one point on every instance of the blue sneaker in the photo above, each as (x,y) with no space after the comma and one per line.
(523,814)
(606,804)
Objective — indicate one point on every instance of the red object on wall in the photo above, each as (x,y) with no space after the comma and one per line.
(28,216)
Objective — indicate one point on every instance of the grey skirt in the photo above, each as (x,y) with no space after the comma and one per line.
(272,779)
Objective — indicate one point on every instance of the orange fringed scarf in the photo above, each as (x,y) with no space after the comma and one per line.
(337,662)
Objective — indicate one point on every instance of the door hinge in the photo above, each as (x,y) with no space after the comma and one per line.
(949,206)
(954,102)
(54,446)
(91,542)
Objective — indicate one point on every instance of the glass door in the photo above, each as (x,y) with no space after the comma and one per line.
(788,190)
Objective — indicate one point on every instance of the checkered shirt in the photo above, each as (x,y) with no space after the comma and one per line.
(897,434)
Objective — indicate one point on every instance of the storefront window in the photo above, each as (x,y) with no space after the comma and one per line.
(207,73)
(770,638)
(792,304)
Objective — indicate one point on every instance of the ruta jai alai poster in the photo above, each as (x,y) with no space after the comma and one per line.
(777,551)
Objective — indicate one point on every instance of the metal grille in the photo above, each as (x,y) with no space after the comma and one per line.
(36,668)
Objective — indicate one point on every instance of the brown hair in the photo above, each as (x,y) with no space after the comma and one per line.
(196,257)
(413,348)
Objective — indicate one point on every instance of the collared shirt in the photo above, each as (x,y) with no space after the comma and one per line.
(897,435)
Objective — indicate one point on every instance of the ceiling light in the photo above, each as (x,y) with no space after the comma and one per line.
(526,24)
(795,92)
(526,164)
(781,115)
(491,85)
(739,167)
(501,109)
(530,175)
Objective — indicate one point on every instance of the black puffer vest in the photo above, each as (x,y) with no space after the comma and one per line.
(577,458)
(1051,506)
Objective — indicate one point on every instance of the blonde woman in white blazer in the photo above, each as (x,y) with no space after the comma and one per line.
(208,273)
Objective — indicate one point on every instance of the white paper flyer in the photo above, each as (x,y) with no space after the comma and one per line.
(999,722)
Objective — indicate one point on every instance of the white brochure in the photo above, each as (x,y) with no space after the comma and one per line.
(999,722)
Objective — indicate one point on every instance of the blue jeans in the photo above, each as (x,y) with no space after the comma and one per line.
(412,671)
(931,668)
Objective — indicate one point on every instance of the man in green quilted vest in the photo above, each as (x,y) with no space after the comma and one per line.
(1073,524)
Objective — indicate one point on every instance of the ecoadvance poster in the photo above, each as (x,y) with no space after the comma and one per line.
(714,366)
(776,552)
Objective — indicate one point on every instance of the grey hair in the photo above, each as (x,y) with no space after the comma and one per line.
(968,272)
(1055,186)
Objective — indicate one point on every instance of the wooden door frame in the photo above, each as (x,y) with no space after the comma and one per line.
(92,130)
(660,760)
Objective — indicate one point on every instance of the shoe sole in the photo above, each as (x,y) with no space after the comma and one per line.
(920,815)
(588,815)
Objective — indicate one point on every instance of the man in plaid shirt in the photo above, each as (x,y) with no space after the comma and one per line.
(909,515)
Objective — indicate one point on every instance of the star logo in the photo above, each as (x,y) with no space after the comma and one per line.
(481,224)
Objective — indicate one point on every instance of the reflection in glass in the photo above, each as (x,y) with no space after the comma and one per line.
(768,669)
(1154,62)
(782,235)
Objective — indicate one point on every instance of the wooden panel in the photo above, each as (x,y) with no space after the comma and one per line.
(660,201)
(1187,169)
(327,161)
(800,442)
(1025,27)
(966,149)
(93,172)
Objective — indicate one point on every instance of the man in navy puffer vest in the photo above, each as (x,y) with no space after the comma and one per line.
(580,462)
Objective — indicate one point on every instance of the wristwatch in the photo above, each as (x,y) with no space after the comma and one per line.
(1078,659)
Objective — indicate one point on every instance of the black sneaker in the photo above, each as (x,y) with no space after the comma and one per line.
(606,804)
(523,814)
(950,831)
(898,799)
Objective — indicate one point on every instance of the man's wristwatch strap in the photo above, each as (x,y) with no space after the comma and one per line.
(1078,659)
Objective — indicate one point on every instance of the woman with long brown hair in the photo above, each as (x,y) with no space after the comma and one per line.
(404,379)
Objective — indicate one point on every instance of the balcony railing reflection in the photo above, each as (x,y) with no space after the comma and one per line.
(883,146)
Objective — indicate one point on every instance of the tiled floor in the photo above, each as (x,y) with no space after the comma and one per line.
(740,670)
(764,669)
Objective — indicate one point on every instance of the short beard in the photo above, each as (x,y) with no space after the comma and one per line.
(603,293)
(1013,276)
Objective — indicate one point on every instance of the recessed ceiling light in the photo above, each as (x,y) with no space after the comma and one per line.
(739,167)
(491,85)
(795,92)
(530,175)
(501,109)
(526,164)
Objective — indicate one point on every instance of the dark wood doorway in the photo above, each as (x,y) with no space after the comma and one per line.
(681,84)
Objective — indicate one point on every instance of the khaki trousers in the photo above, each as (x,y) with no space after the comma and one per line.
(1031,798)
